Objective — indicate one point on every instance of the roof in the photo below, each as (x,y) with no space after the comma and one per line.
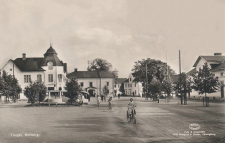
(219,68)
(90,74)
(51,55)
(191,71)
(36,63)
(29,64)
(217,59)
(120,80)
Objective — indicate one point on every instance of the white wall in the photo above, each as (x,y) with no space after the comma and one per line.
(96,83)
(55,71)
(130,87)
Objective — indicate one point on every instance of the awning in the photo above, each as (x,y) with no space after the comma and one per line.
(91,88)
(84,92)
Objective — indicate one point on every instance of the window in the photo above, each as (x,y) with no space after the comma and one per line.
(60,77)
(50,88)
(115,85)
(130,79)
(107,83)
(81,84)
(90,84)
(39,78)
(50,65)
(135,85)
(27,78)
(50,78)
(221,74)
(10,69)
(125,85)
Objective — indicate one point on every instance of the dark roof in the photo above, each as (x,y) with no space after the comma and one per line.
(120,80)
(29,64)
(191,71)
(50,51)
(174,78)
(51,55)
(90,74)
(217,59)
(219,68)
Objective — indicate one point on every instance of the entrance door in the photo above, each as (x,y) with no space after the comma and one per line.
(91,93)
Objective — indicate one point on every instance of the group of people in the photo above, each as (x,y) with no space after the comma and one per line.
(79,99)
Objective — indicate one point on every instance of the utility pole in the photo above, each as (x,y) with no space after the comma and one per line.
(146,81)
(181,98)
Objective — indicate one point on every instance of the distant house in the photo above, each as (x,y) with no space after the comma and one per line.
(93,82)
(48,69)
(216,63)
(118,83)
(133,87)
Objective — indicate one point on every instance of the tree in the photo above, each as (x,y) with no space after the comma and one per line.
(10,86)
(205,82)
(99,65)
(105,90)
(73,90)
(122,88)
(184,86)
(167,86)
(155,87)
(15,90)
(102,65)
(35,91)
(154,68)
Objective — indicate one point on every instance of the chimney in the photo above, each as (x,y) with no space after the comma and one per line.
(24,56)
(217,54)
(75,69)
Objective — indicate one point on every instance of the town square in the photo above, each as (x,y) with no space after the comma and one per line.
(123,71)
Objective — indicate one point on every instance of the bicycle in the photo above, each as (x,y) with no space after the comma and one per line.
(98,103)
(131,116)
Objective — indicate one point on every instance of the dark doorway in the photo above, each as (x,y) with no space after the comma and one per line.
(91,93)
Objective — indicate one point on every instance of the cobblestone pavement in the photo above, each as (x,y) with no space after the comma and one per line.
(156,122)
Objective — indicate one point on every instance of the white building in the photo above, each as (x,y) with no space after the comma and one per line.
(48,69)
(133,87)
(217,65)
(118,83)
(93,82)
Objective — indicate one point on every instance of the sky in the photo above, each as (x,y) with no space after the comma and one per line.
(119,31)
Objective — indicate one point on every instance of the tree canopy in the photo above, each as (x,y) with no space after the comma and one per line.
(184,84)
(205,81)
(167,86)
(35,91)
(9,86)
(102,65)
(155,68)
(155,87)
(73,90)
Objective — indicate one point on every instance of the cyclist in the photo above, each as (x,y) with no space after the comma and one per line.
(131,106)
(109,100)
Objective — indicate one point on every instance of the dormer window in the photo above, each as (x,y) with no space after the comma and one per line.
(50,65)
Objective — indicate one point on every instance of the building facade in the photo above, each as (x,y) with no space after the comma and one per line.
(93,82)
(48,69)
(118,84)
(133,87)
(216,63)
